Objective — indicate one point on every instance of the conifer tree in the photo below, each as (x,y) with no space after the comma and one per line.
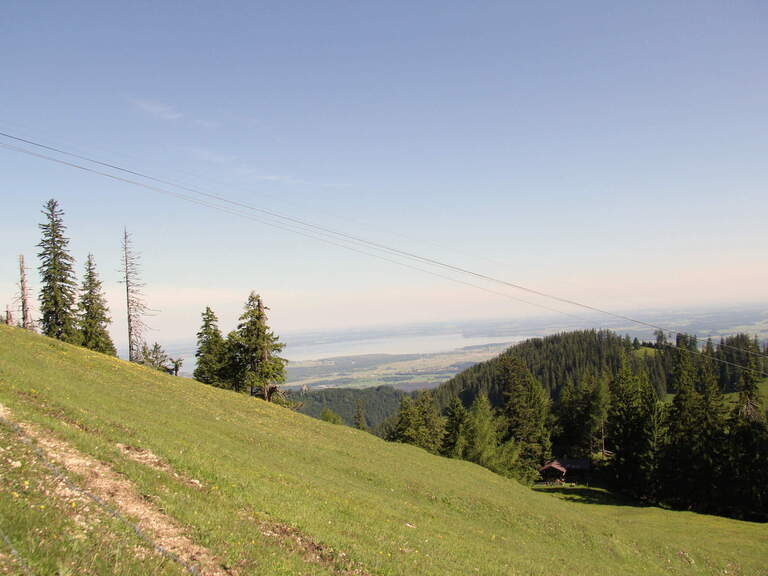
(526,408)
(419,422)
(330,416)
(254,350)
(634,430)
(455,441)
(93,313)
(58,291)
(211,351)
(681,465)
(482,433)
(360,421)
(155,357)
(711,450)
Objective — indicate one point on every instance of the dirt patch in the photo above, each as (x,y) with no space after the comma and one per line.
(149,458)
(291,539)
(102,481)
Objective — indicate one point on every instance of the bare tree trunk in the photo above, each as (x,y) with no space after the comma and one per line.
(134,299)
(26,311)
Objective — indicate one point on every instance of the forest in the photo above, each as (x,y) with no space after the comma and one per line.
(653,418)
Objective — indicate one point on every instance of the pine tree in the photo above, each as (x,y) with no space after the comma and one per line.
(419,422)
(747,464)
(93,313)
(711,450)
(58,292)
(681,465)
(634,430)
(155,357)
(211,351)
(330,416)
(455,441)
(482,433)
(254,350)
(526,408)
(360,421)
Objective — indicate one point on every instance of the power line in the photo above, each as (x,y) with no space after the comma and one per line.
(363,241)
(288,223)
(283,227)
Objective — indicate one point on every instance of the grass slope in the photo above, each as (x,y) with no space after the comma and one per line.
(392,509)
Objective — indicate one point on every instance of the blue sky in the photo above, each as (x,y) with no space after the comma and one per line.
(610,152)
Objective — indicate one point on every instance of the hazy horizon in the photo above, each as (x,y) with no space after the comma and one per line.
(611,156)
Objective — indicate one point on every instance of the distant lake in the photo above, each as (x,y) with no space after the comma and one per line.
(395,344)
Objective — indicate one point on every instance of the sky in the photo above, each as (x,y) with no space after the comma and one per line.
(613,153)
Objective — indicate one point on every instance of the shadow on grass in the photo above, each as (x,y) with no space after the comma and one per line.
(589,495)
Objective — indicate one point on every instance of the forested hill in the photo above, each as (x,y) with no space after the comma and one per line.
(377,403)
(555,360)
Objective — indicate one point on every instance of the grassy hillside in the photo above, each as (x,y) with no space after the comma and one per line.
(371,507)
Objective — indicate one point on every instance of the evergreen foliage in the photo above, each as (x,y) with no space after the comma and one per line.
(58,291)
(526,411)
(455,441)
(252,353)
(211,351)
(93,313)
(419,422)
(330,416)
(360,421)
(633,429)
(154,356)
(379,403)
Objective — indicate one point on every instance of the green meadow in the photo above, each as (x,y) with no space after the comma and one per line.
(373,507)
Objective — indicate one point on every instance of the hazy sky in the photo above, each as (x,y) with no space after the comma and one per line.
(611,152)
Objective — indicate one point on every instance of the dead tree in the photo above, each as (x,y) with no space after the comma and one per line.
(26,311)
(136,308)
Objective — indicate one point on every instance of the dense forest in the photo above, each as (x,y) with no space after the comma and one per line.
(652,418)
(564,358)
(378,403)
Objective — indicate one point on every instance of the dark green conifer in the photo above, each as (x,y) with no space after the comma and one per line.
(455,441)
(360,420)
(58,291)
(253,352)
(419,422)
(93,313)
(634,430)
(155,357)
(330,416)
(211,351)
(482,433)
(526,410)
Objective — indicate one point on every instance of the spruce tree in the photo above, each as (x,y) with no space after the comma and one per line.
(155,357)
(526,408)
(681,464)
(634,430)
(330,416)
(711,450)
(58,291)
(255,349)
(360,420)
(419,422)
(93,313)
(482,433)
(455,441)
(211,351)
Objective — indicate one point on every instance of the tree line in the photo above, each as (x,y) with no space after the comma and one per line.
(246,360)
(696,450)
